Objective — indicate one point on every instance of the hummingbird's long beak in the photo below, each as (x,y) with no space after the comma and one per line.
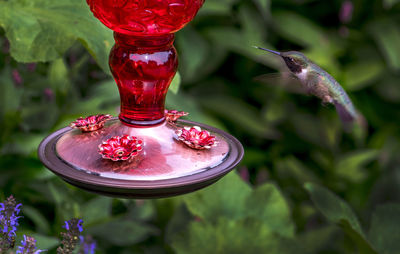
(272,51)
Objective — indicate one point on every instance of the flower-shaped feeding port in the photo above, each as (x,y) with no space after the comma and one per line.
(173,115)
(90,123)
(121,148)
(196,138)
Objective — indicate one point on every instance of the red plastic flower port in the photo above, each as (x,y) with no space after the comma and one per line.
(121,148)
(195,138)
(173,115)
(90,123)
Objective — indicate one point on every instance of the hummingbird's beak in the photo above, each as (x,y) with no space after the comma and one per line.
(272,51)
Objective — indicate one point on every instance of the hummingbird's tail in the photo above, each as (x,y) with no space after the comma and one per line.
(350,116)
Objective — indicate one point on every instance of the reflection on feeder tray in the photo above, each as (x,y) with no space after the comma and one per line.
(196,138)
(90,123)
(120,148)
(173,115)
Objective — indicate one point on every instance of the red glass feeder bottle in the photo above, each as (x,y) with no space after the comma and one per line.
(138,155)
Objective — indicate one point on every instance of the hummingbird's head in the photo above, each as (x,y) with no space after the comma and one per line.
(294,60)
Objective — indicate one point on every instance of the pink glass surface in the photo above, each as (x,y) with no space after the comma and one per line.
(145,17)
(163,157)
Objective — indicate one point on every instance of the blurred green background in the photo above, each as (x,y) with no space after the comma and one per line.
(304,186)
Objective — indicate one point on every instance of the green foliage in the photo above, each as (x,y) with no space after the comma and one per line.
(384,231)
(337,211)
(290,139)
(233,218)
(43,30)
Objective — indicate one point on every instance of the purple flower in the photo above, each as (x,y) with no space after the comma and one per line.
(71,237)
(48,94)
(9,211)
(17,77)
(88,245)
(73,225)
(346,12)
(28,246)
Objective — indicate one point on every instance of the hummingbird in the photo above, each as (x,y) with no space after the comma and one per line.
(318,82)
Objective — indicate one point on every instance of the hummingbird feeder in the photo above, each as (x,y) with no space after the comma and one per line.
(148,152)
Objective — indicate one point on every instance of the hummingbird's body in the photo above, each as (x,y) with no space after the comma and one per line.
(318,82)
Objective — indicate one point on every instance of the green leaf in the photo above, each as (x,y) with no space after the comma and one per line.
(38,219)
(232,236)
(104,99)
(96,210)
(351,166)
(240,113)
(232,39)
(175,84)
(43,30)
(122,232)
(253,28)
(263,7)
(309,128)
(23,143)
(300,30)
(189,104)
(142,211)
(58,76)
(292,167)
(384,232)
(232,198)
(315,240)
(362,74)
(10,97)
(268,205)
(338,211)
(252,32)
(193,53)
(390,3)
(43,242)
(226,198)
(387,34)
(221,7)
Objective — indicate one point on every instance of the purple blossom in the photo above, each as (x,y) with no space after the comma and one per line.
(9,211)
(346,12)
(17,77)
(28,246)
(70,238)
(74,224)
(88,245)
(48,94)
(244,174)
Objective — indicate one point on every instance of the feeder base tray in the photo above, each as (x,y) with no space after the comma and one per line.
(166,167)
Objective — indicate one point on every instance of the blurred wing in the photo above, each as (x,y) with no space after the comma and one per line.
(285,80)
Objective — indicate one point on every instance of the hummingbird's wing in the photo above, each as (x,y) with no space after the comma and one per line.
(285,80)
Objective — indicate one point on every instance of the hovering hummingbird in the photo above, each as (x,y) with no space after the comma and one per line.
(318,82)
